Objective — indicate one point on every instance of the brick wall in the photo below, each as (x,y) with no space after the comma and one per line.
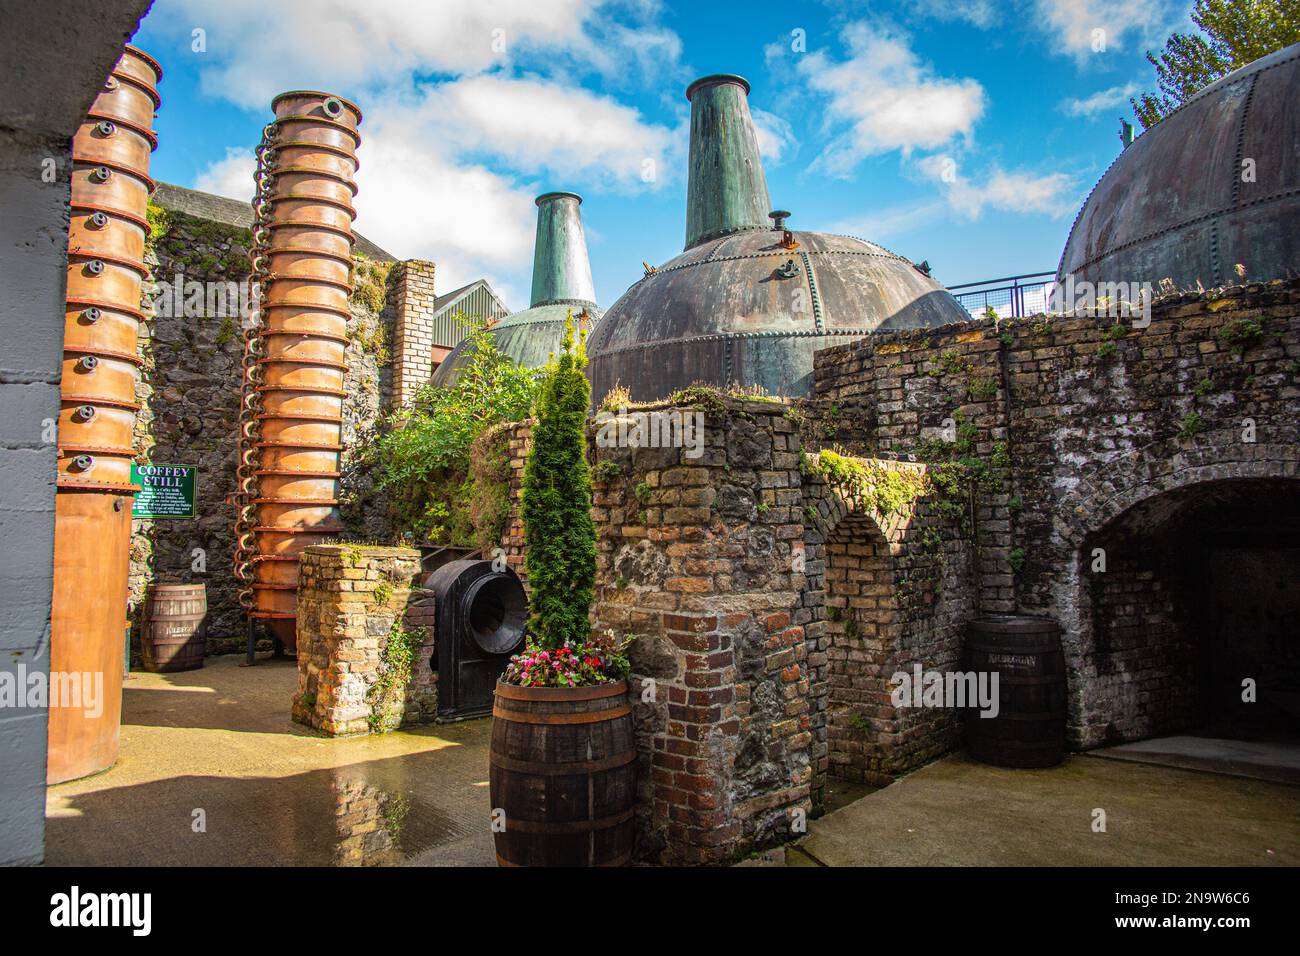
(1092,418)
(886,592)
(723,566)
(413,348)
(349,597)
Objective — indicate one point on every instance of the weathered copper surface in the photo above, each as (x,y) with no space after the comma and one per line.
(727,188)
(1212,186)
(92,530)
(295,369)
(749,302)
(731,311)
(561,284)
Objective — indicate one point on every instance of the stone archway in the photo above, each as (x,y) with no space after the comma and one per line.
(888,596)
(1133,632)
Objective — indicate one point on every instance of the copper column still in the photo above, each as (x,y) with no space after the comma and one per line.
(294,360)
(92,528)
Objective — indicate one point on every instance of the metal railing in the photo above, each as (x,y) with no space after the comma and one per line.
(1011,297)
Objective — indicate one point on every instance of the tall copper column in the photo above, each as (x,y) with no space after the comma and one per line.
(92,529)
(295,355)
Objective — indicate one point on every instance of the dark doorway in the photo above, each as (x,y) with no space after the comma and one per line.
(1195,618)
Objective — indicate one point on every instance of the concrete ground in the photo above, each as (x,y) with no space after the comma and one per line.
(1276,761)
(957,812)
(219,740)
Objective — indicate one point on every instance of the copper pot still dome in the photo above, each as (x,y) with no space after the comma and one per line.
(1213,186)
(749,300)
(561,284)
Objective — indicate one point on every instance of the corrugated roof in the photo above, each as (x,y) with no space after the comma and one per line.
(233,212)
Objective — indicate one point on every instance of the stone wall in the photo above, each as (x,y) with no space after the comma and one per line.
(777,582)
(896,580)
(350,598)
(770,606)
(1083,421)
(189,392)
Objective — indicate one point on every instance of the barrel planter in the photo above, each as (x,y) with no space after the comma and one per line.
(563,773)
(175,628)
(1025,652)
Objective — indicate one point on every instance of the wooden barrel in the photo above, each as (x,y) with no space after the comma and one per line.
(1025,653)
(175,628)
(563,773)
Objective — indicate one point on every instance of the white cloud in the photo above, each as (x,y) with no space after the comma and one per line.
(888,99)
(880,225)
(980,13)
(1008,191)
(458,138)
(231,177)
(1079,26)
(258,48)
(1101,101)
(775,135)
(535,125)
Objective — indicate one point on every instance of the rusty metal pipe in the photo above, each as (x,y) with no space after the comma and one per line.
(92,528)
(294,368)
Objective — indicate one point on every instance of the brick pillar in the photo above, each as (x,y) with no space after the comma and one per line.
(413,348)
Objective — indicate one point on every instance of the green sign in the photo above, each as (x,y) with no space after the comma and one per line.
(167,491)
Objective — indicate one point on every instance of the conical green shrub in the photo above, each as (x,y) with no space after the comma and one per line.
(558,532)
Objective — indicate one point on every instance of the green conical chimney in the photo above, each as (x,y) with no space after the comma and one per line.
(727,191)
(561,269)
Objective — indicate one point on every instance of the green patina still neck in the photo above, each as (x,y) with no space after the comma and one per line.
(727,190)
(561,269)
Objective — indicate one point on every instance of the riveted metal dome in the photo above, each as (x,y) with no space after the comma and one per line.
(561,284)
(749,302)
(1213,185)
(745,309)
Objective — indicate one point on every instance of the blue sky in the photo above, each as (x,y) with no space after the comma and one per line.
(965,132)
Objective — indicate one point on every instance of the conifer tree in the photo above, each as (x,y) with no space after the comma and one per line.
(559,535)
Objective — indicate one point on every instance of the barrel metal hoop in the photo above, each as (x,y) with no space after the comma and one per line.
(567,826)
(594,692)
(585,717)
(559,769)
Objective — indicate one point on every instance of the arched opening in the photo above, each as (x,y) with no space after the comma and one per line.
(1191,598)
(861,623)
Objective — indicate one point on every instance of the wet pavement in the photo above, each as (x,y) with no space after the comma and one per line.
(213,772)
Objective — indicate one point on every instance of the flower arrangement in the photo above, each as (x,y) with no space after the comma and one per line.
(567,666)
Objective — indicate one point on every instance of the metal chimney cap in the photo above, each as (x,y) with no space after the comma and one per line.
(778,217)
(547,197)
(716,78)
